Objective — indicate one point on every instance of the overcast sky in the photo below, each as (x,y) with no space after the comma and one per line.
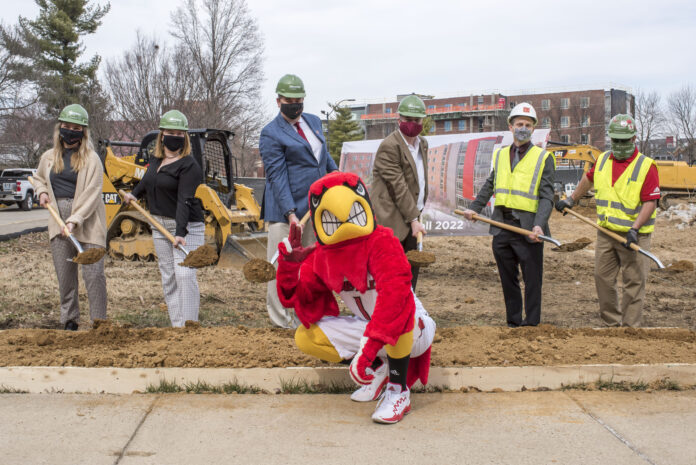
(376,49)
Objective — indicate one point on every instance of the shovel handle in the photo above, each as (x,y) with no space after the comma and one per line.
(609,233)
(419,241)
(53,212)
(497,224)
(303,221)
(152,221)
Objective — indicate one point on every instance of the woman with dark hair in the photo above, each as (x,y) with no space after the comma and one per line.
(170,184)
(70,177)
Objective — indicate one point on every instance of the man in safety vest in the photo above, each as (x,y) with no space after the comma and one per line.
(522,181)
(627,189)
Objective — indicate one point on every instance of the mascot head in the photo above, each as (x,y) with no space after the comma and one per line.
(341,208)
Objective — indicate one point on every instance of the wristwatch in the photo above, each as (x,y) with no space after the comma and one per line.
(289,212)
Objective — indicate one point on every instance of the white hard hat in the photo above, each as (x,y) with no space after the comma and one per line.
(523,109)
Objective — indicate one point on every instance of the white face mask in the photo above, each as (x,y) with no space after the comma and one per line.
(522,134)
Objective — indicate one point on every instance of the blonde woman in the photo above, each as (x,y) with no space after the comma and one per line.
(169,185)
(70,177)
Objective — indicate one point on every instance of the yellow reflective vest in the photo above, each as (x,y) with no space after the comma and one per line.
(519,188)
(618,205)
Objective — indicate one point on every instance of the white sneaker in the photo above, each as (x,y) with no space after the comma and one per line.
(374,389)
(393,405)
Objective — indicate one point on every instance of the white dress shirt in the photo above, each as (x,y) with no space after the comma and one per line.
(418,160)
(313,140)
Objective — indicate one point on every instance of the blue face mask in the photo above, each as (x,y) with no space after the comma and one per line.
(522,134)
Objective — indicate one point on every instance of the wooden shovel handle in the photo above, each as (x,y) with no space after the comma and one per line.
(149,217)
(52,211)
(609,233)
(498,224)
(305,218)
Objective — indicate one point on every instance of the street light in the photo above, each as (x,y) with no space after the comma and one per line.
(329,113)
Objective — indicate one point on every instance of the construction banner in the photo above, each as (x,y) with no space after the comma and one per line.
(458,166)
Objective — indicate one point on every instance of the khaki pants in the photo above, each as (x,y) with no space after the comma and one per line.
(610,258)
(279,315)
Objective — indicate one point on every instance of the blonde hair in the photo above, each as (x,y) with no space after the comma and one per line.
(159,146)
(78,160)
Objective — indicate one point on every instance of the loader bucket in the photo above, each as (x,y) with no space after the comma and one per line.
(240,248)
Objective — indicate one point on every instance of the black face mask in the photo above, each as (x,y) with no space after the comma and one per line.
(173,143)
(292,110)
(69,136)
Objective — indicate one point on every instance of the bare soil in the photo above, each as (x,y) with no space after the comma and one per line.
(90,256)
(257,270)
(461,291)
(204,255)
(240,347)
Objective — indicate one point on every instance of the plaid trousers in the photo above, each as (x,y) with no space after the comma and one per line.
(179,283)
(93,275)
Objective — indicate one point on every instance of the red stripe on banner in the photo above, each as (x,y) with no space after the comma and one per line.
(361,307)
(468,170)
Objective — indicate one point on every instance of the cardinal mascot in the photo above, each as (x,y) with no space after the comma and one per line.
(387,339)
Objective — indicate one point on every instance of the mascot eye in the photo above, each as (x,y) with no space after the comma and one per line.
(315,201)
(360,189)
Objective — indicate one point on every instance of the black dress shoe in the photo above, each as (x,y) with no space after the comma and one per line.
(71,326)
(513,325)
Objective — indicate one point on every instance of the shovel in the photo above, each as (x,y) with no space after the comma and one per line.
(199,258)
(418,257)
(83,257)
(615,236)
(514,229)
(260,271)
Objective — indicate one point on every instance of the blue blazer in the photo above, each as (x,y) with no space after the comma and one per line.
(290,167)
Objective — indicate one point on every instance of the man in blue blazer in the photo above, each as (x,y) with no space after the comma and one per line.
(294,155)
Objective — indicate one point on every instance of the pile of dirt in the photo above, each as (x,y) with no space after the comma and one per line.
(111,345)
(258,271)
(680,266)
(202,256)
(90,256)
(416,258)
(577,244)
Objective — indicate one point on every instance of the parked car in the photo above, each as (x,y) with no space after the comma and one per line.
(16,188)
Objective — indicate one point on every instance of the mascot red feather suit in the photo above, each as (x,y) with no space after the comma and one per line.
(388,338)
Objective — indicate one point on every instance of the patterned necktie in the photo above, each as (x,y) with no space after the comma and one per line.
(300,131)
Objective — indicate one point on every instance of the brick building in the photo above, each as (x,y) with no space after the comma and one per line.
(574,117)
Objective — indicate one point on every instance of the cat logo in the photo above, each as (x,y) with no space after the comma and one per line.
(111,198)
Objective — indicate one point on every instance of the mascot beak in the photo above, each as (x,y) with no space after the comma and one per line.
(342,213)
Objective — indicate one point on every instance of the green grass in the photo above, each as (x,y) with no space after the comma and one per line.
(665,384)
(10,390)
(301,386)
(201,387)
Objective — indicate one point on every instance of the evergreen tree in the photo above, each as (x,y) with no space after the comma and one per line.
(54,36)
(342,129)
(427,124)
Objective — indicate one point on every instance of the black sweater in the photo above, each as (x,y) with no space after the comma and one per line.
(170,192)
(63,183)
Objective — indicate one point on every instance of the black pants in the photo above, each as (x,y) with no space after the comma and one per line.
(512,252)
(411,243)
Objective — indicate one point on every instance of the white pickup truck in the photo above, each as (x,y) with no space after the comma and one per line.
(16,188)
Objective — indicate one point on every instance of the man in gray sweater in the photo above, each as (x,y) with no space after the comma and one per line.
(522,181)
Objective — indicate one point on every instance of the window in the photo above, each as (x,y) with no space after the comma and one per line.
(462,125)
(584,138)
(565,121)
(584,102)
(431,107)
(565,103)
(433,127)
(448,106)
(546,122)
(480,100)
(448,126)
(585,121)
(545,104)
(388,110)
(565,138)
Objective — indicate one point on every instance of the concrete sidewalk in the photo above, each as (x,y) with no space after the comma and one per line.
(482,428)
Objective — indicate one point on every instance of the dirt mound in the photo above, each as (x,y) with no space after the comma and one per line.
(239,347)
(577,244)
(416,258)
(204,255)
(258,271)
(680,266)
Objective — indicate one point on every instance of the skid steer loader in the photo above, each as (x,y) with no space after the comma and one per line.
(232,214)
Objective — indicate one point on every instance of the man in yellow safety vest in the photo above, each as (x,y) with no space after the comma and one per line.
(522,181)
(627,188)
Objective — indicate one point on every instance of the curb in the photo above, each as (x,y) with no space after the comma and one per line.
(13,235)
(511,379)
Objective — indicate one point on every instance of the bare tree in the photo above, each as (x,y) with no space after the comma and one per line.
(144,83)
(650,119)
(682,111)
(27,133)
(17,90)
(223,46)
